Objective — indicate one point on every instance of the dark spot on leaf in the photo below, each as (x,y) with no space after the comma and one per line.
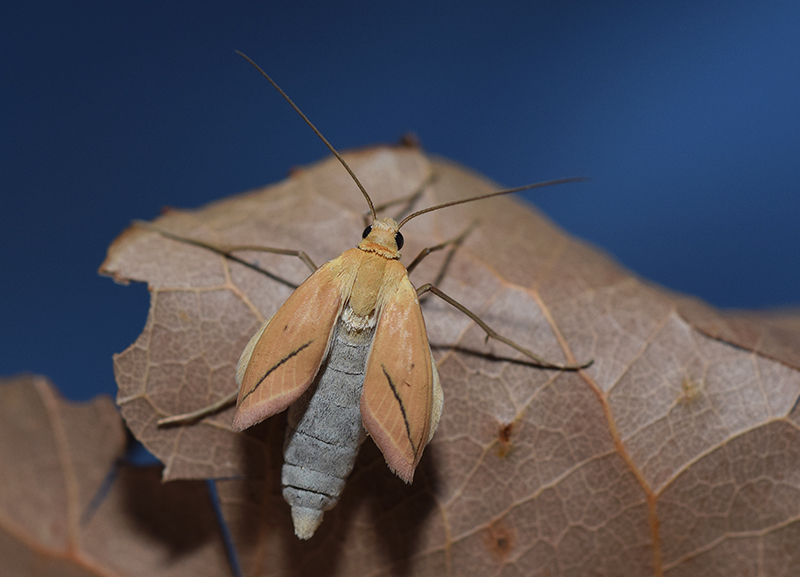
(504,445)
(499,540)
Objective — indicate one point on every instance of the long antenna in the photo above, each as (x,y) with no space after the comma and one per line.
(317,132)
(491,194)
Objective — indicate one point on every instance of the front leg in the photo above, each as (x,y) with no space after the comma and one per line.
(228,250)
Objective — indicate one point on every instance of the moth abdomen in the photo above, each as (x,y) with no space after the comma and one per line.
(325,431)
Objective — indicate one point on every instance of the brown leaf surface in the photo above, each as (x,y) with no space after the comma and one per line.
(54,458)
(675,453)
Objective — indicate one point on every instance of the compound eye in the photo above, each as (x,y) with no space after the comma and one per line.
(366,232)
(398,238)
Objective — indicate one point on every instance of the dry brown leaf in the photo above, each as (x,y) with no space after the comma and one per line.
(55,521)
(774,335)
(674,453)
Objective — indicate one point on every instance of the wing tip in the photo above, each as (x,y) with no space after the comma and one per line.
(249,414)
(401,463)
(239,423)
(254,409)
(404,469)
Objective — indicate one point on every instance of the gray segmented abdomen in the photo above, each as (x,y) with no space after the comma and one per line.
(325,431)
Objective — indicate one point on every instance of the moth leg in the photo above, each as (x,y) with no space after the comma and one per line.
(228,250)
(185,418)
(492,334)
(407,201)
(454,242)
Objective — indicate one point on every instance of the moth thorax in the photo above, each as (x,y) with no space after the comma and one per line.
(355,323)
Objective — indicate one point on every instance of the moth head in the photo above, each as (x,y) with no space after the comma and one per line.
(382,237)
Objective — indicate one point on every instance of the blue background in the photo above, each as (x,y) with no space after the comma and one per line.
(685,114)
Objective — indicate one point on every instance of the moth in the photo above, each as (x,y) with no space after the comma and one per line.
(348,355)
